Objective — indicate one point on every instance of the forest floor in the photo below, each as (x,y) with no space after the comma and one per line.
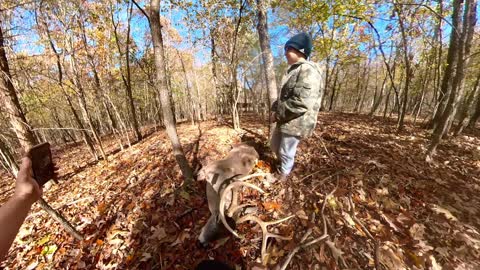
(388,208)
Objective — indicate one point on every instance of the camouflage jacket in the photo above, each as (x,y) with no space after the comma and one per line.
(300,99)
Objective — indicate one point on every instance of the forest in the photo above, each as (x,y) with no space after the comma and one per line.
(135,97)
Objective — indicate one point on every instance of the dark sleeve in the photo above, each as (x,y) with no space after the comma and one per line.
(274,106)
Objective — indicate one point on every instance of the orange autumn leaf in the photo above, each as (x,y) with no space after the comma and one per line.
(271,206)
(129,259)
(101,207)
(130,206)
(263,165)
(99,242)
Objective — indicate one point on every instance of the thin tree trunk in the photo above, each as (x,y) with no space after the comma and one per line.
(156,32)
(127,81)
(82,102)
(264,38)
(98,85)
(188,88)
(452,58)
(233,71)
(10,101)
(334,87)
(408,69)
(378,100)
(476,113)
(365,88)
(465,108)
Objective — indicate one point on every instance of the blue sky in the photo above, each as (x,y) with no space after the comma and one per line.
(26,37)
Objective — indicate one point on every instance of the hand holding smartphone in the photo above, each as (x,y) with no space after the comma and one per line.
(42,163)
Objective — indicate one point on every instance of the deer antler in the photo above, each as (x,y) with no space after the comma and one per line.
(223,201)
(263,225)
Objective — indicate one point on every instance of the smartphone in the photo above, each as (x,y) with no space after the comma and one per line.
(42,163)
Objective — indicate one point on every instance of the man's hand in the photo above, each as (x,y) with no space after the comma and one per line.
(26,188)
(15,210)
(273,117)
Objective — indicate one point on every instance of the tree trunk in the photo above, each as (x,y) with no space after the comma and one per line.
(214,73)
(8,159)
(334,87)
(233,71)
(476,114)
(100,93)
(378,99)
(82,102)
(86,137)
(365,87)
(264,38)
(466,112)
(452,57)
(156,32)
(127,81)
(408,69)
(457,86)
(10,102)
(188,88)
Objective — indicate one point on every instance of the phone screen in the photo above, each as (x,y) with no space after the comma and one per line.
(42,163)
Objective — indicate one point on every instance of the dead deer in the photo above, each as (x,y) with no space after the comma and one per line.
(218,174)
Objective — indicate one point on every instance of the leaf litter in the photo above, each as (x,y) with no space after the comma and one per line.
(390,209)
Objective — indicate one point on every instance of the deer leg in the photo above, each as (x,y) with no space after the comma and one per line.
(209,231)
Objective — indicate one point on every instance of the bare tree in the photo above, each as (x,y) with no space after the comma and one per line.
(263,36)
(126,78)
(153,17)
(408,69)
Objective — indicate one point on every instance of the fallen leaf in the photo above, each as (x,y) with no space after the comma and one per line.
(116,241)
(180,238)
(382,191)
(434,264)
(102,207)
(301,214)
(349,219)
(269,206)
(221,242)
(185,195)
(158,233)
(336,253)
(145,257)
(44,240)
(439,210)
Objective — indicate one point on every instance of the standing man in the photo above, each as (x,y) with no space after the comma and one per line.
(297,108)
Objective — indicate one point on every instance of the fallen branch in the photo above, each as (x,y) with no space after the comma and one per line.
(367,233)
(325,147)
(307,234)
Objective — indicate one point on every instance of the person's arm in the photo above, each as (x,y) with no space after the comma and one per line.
(15,210)
(303,97)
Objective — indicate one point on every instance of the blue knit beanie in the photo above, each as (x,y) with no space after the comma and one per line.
(302,42)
